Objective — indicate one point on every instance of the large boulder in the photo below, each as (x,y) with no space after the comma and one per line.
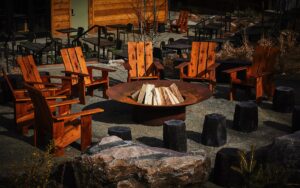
(283,155)
(117,163)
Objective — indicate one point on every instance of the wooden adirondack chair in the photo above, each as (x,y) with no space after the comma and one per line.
(259,75)
(140,63)
(32,76)
(64,129)
(202,64)
(82,76)
(23,109)
(181,23)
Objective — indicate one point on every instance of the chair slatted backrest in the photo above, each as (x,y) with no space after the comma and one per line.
(183,18)
(41,108)
(264,59)
(29,70)
(202,56)
(74,62)
(140,58)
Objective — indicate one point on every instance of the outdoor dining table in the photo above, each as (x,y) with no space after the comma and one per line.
(34,48)
(103,44)
(178,47)
(118,27)
(123,54)
(67,31)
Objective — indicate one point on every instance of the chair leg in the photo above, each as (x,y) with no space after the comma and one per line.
(81,91)
(86,132)
(232,93)
(259,89)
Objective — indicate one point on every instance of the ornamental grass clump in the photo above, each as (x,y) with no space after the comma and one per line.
(243,52)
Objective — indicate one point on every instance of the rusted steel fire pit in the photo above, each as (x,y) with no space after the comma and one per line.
(156,115)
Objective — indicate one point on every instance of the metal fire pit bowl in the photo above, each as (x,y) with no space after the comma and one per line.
(156,115)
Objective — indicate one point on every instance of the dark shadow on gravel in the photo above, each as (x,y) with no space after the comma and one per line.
(114,112)
(278,126)
(11,131)
(5,122)
(229,124)
(151,141)
(266,105)
(195,136)
(113,81)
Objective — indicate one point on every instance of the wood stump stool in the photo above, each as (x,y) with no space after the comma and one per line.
(214,130)
(223,174)
(246,117)
(296,119)
(283,100)
(174,135)
(122,132)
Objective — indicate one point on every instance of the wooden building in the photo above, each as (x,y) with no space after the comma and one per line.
(86,13)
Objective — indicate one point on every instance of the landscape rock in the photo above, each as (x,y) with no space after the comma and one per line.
(286,150)
(283,154)
(126,164)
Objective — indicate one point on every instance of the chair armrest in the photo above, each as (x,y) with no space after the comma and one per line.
(101,68)
(26,117)
(76,73)
(182,65)
(56,97)
(58,77)
(45,83)
(229,71)
(260,75)
(213,67)
(23,99)
(63,103)
(158,65)
(127,66)
(78,114)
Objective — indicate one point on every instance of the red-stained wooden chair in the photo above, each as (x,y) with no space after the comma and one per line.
(64,129)
(82,75)
(32,76)
(141,64)
(23,109)
(258,76)
(181,23)
(202,64)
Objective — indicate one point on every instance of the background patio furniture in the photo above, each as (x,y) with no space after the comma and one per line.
(180,24)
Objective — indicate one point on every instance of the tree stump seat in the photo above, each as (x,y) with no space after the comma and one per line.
(119,131)
(174,135)
(283,100)
(223,174)
(246,117)
(214,130)
(296,119)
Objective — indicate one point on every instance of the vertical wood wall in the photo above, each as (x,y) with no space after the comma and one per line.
(105,12)
(60,15)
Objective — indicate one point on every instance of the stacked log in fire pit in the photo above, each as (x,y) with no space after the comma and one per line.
(157,96)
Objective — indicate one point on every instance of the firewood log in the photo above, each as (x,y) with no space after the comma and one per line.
(176,92)
(149,94)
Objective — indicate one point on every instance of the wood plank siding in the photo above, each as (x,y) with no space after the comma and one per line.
(60,15)
(105,12)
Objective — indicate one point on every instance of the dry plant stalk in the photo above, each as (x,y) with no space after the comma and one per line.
(266,42)
(244,52)
(287,40)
